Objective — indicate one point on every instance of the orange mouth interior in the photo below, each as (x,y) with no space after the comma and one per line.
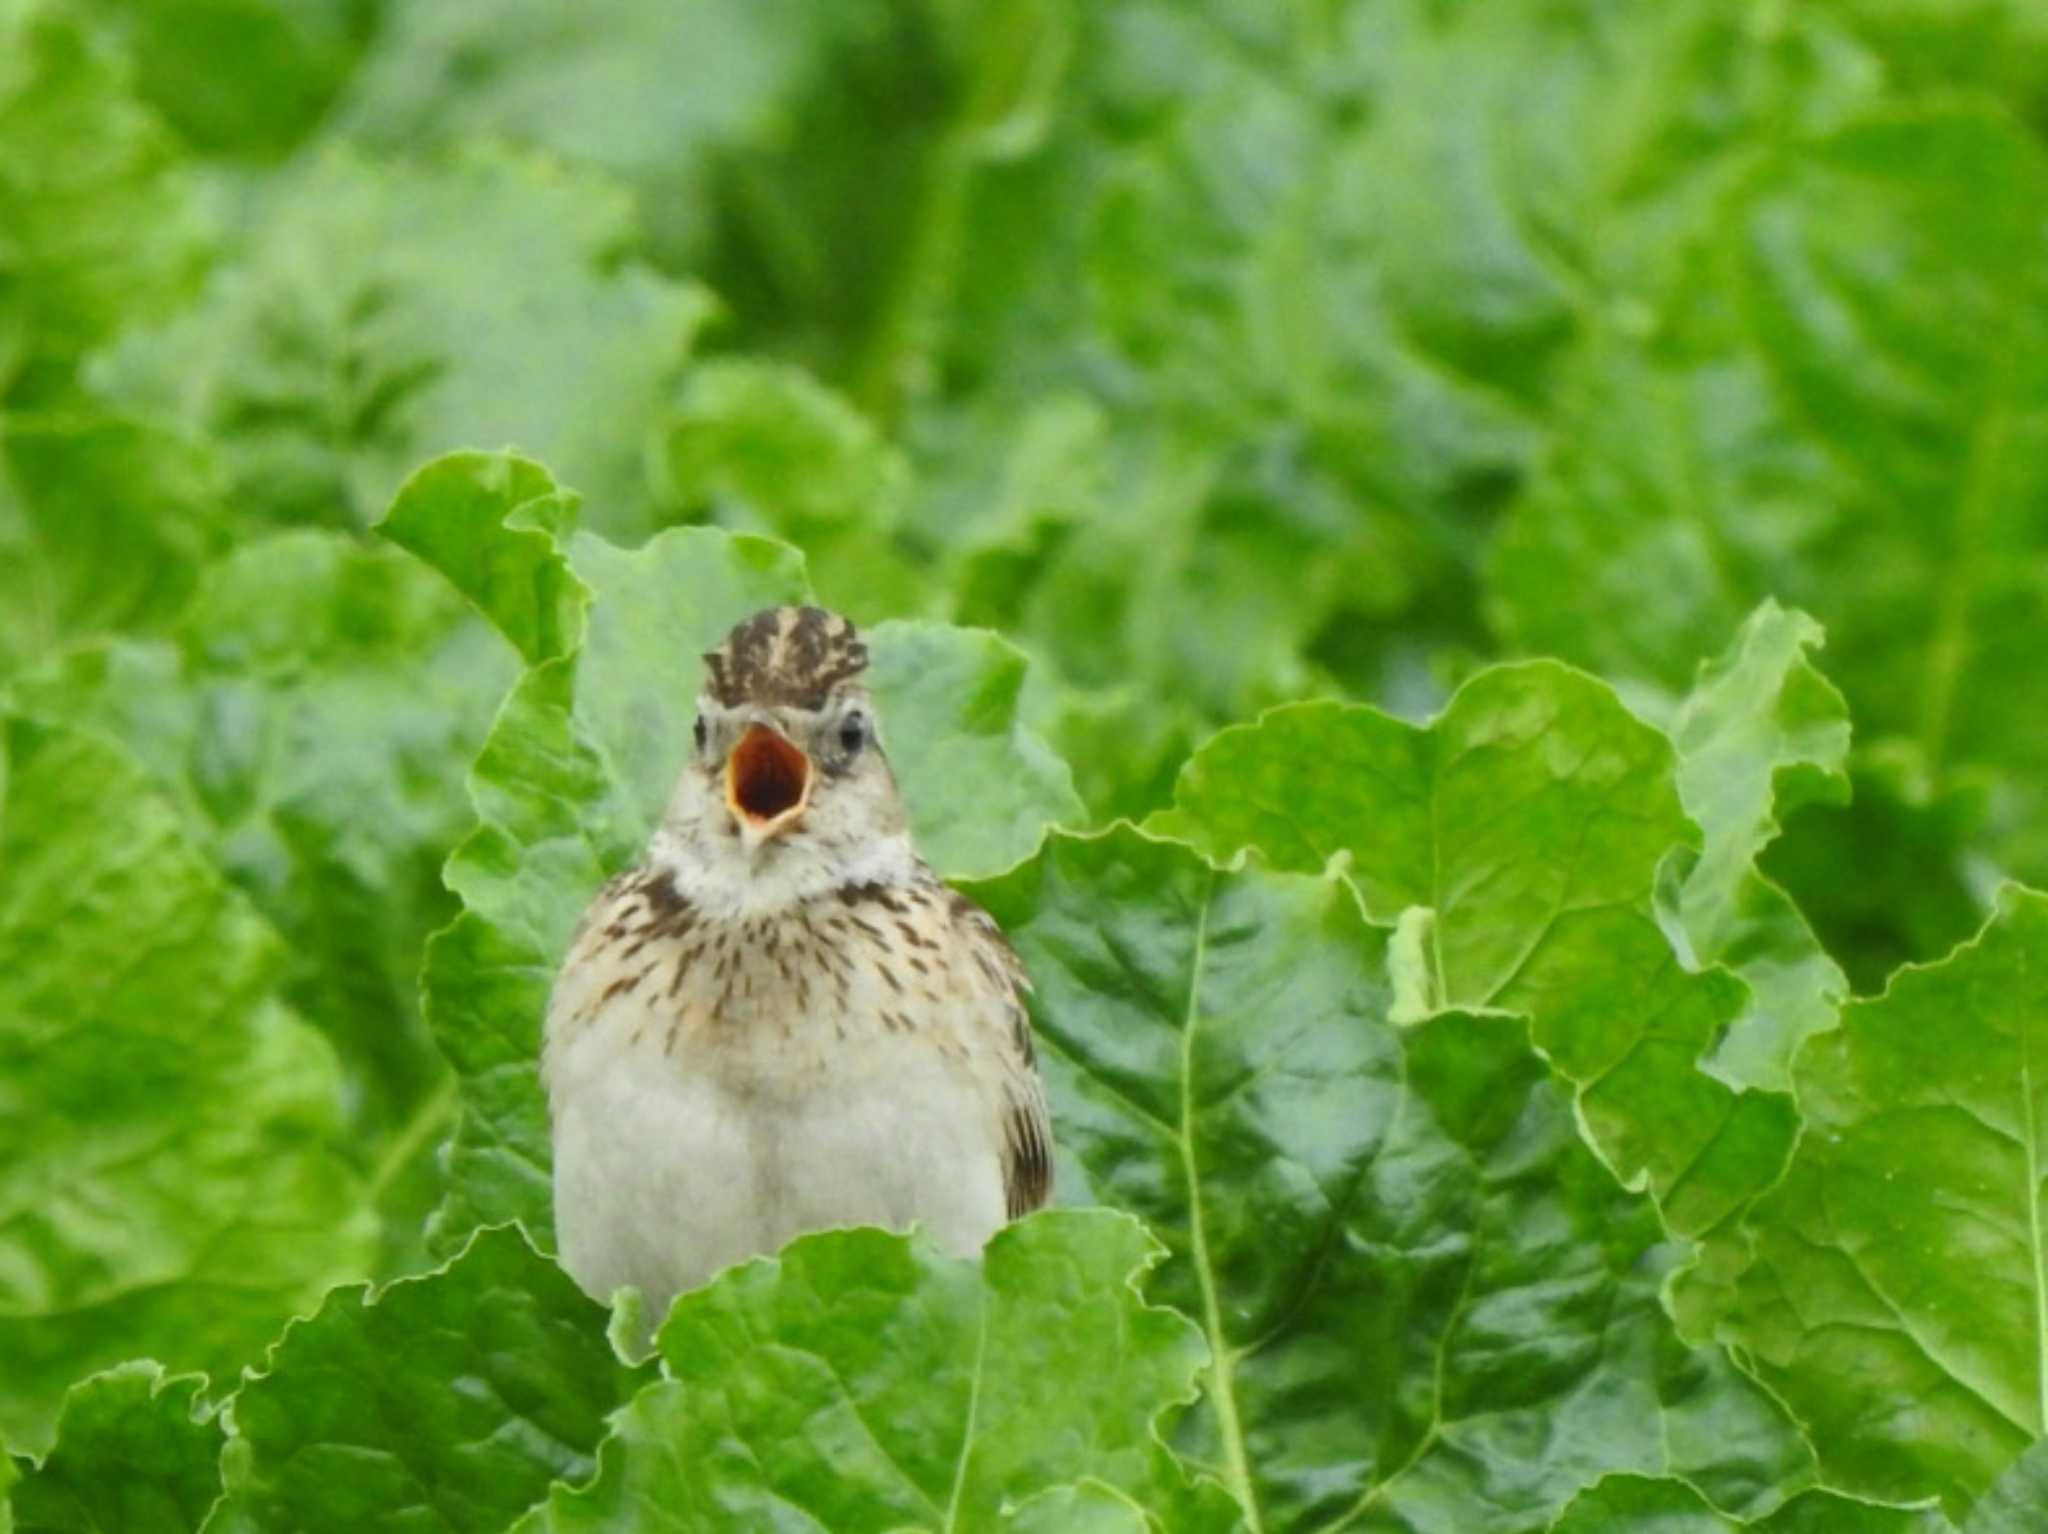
(766,777)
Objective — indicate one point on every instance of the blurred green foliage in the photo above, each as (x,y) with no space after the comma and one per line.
(1219,355)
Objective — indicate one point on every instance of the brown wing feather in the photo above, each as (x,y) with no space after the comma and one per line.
(1027,1126)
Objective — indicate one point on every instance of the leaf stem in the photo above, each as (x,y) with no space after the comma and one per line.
(1221,1361)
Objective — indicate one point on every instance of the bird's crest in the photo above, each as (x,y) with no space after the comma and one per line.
(790,656)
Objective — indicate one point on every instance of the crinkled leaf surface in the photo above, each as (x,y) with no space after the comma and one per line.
(1430,1307)
(1898,1297)
(447,1402)
(867,1384)
(587,747)
(312,721)
(382,314)
(137,995)
(1527,822)
(132,1452)
(1761,733)
(1663,1506)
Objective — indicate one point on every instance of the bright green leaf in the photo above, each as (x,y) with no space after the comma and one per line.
(380,315)
(95,220)
(1843,408)
(450,1401)
(864,1382)
(104,525)
(493,525)
(312,723)
(133,1452)
(170,1182)
(1897,1293)
(240,77)
(763,449)
(1431,1308)
(1530,818)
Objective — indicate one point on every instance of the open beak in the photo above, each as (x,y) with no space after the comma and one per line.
(767,783)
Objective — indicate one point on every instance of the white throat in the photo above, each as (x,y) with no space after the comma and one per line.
(725,880)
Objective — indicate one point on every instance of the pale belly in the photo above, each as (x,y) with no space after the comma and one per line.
(668,1170)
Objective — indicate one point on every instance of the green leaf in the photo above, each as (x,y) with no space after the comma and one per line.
(684,106)
(1842,409)
(170,1182)
(1530,818)
(95,220)
(492,524)
(1761,733)
(585,753)
(380,315)
(1672,1507)
(1429,1305)
(2017,1500)
(765,449)
(1896,1294)
(981,788)
(312,724)
(450,1401)
(134,1451)
(240,77)
(865,1382)
(104,525)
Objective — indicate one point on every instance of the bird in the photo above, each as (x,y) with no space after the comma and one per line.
(781,1020)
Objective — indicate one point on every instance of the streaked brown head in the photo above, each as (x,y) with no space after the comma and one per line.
(794,657)
(784,713)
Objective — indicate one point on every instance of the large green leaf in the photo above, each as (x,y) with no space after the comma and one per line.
(1523,829)
(312,722)
(864,1382)
(95,218)
(448,1402)
(104,525)
(240,77)
(1844,409)
(379,315)
(585,752)
(133,1451)
(170,1181)
(1430,1307)
(1899,1286)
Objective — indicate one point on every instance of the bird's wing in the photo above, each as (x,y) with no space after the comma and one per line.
(1026,1122)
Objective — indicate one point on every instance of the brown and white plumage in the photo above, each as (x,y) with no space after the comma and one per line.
(781,1020)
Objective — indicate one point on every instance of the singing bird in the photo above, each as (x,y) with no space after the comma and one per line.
(780,1020)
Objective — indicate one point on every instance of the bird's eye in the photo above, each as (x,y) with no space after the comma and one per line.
(698,732)
(853,734)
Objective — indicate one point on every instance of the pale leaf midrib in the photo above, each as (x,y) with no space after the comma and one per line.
(1221,1360)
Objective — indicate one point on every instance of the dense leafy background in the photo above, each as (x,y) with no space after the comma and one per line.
(1468,580)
